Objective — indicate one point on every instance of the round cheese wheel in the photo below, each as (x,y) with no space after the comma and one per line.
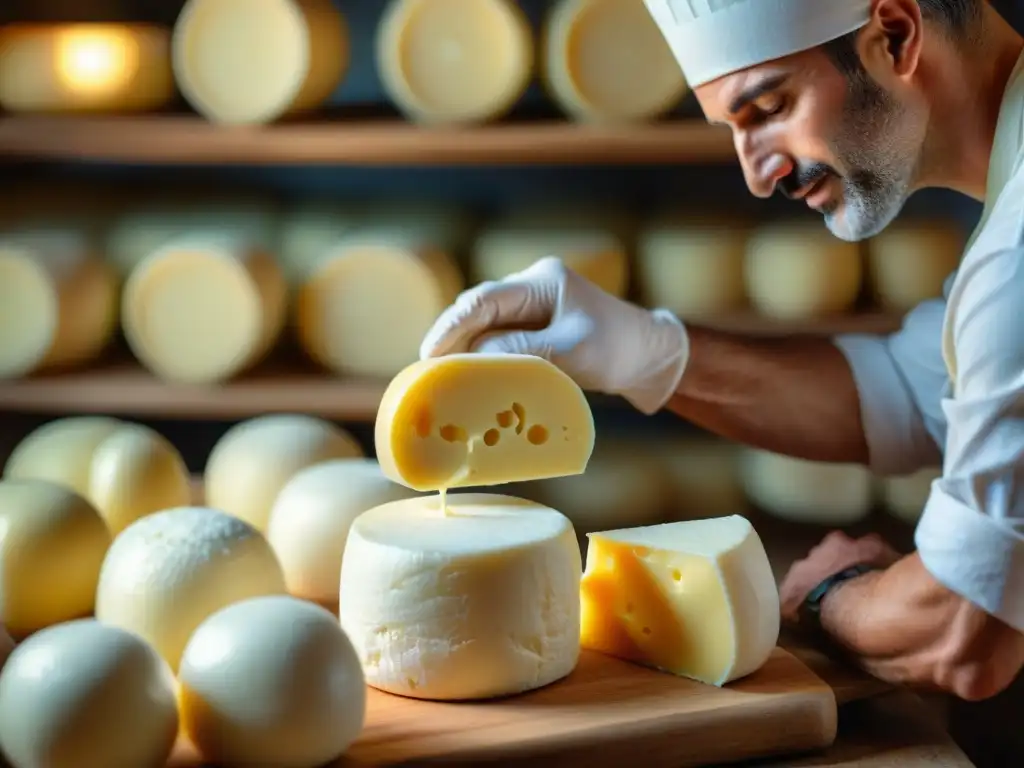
(61,451)
(310,520)
(136,472)
(704,477)
(84,67)
(444,603)
(253,461)
(52,544)
(164,574)
(271,681)
(798,270)
(806,491)
(253,61)
(607,61)
(307,234)
(201,310)
(905,497)
(87,695)
(6,646)
(909,262)
(58,302)
(694,268)
(367,306)
(454,61)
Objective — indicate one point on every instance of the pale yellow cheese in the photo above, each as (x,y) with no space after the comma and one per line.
(84,67)
(607,61)
(797,270)
(306,235)
(474,600)
(58,301)
(694,598)
(454,61)
(254,61)
(905,497)
(703,475)
(52,544)
(693,267)
(473,419)
(909,261)
(201,310)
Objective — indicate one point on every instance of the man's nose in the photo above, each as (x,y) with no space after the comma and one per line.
(764,171)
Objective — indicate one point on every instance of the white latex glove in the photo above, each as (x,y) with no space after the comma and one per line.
(605,344)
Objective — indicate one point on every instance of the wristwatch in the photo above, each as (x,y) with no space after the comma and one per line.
(811,608)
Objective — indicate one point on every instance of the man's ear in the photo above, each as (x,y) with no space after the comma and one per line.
(890,44)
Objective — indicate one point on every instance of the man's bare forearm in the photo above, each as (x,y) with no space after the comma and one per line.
(794,396)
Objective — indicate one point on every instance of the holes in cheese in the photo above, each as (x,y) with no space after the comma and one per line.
(58,301)
(476,600)
(271,681)
(606,60)
(203,309)
(454,61)
(909,262)
(905,497)
(52,543)
(85,67)
(103,693)
(474,419)
(694,598)
(797,270)
(254,61)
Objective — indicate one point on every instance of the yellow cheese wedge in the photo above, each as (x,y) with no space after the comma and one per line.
(84,67)
(607,61)
(253,61)
(454,61)
(694,598)
(909,262)
(473,419)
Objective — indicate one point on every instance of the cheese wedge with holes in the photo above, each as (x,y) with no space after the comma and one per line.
(475,419)
(694,598)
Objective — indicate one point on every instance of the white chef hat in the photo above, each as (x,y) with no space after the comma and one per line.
(712,38)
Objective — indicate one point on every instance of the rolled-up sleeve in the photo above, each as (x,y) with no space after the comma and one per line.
(900,380)
(971,535)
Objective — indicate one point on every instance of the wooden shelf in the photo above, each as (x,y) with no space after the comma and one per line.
(183,139)
(751,323)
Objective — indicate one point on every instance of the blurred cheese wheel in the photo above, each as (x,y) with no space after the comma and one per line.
(806,491)
(307,234)
(255,459)
(136,472)
(797,270)
(704,476)
(607,61)
(6,646)
(201,310)
(271,681)
(167,572)
(909,262)
(905,497)
(87,695)
(61,451)
(692,267)
(454,61)
(310,519)
(58,301)
(253,61)
(52,544)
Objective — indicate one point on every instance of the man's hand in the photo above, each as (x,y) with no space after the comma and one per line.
(605,344)
(835,553)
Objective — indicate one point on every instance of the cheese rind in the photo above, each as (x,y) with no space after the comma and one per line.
(694,598)
(271,681)
(87,695)
(475,419)
(475,601)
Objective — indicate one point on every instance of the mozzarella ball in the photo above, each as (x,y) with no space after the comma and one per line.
(61,451)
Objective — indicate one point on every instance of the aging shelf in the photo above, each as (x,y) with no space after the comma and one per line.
(160,140)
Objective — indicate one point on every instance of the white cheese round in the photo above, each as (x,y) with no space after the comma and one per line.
(253,61)
(478,601)
(704,477)
(87,695)
(253,461)
(6,646)
(909,262)
(271,681)
(52,544)
(797,270)
(454,61)
(167,572)
(807,491)
(905,497)
(310,520)
(61,451)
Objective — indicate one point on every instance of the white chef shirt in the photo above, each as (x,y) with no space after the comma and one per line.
(949,387)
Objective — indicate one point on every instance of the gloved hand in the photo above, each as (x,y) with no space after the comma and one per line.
(605,344)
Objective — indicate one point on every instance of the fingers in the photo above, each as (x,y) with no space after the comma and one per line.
(559,338)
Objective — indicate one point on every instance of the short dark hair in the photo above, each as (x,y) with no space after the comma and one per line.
(958,17)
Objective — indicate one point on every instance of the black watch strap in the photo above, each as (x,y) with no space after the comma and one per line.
(812,603)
